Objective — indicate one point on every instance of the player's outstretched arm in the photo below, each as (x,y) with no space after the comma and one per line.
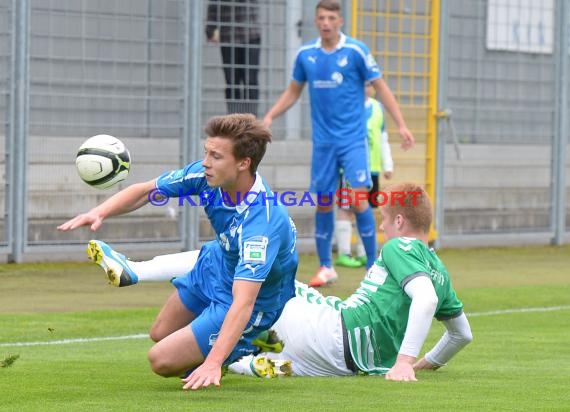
(127,200)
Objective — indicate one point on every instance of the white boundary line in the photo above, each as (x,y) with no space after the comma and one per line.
(78,340)
(145,336)
(519,310)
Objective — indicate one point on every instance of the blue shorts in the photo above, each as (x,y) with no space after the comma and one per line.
(372,193)
(199,291)
(329,159)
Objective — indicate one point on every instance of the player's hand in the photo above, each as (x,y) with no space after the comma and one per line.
(408,140)
(89,218)
(424,364)
(387,175)
(401,371)
(203,376)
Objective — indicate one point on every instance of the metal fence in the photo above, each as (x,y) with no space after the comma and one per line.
(483,84)
(5,39)
(504,72)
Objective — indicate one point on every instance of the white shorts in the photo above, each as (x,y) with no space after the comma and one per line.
(311,328)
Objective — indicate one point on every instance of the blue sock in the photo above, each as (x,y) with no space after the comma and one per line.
(324,229)
(366,225)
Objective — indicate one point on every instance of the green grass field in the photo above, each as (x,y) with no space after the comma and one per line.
(518,300)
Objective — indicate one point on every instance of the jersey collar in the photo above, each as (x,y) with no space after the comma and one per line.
(252,194)
(339,45)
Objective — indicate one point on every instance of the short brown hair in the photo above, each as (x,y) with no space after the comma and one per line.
(413,204)
(249,135)
(330,5)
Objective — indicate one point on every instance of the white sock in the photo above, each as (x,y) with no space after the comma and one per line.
(242,366)
(343,236)
(165,267)
(360,251)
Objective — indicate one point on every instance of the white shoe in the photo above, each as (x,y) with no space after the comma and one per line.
(114,264)
(324,276)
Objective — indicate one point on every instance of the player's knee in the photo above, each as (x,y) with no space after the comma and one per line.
(156,333)
(160,364)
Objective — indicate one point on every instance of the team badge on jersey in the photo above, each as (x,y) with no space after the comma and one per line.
(255,250)
(342,61)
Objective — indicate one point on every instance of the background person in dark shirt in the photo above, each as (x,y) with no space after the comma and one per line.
(234,24)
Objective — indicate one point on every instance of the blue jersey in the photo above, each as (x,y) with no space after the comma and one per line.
(256,237)
(336,86)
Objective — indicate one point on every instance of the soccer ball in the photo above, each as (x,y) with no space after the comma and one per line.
(103,161)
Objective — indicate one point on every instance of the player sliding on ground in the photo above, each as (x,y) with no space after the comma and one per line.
(238,284)
(379,329)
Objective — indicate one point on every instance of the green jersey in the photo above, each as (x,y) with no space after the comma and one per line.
(376,315)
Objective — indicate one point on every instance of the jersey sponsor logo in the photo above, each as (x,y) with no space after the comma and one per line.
(324,84)
(255,251)
(337,77)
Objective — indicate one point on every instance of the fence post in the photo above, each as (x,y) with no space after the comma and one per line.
(439,191)
(18,130)
(192,129)
(293,42)
(561,124)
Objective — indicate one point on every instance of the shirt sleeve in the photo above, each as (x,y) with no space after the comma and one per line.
(299,74)
(369,67)
(188,181)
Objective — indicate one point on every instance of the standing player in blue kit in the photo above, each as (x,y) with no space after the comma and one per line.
(336,68)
